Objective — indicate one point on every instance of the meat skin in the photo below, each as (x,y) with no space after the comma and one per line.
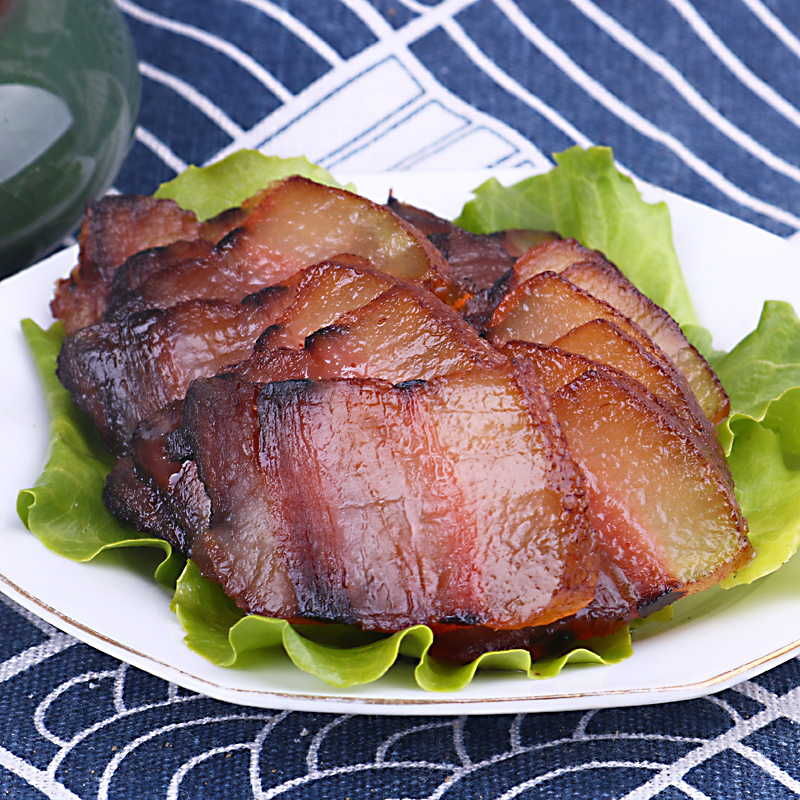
(121,373)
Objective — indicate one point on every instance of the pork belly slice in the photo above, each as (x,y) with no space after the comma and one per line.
(180,492)
(403,334)
(593,272)
(324,292)
(121,373)
(140,504)
(603,341)
(612,607)
(406,333)
(387,505)
(547,307)
(514,242)
(551,256)
(478,260)
(220,416)
(603,280)
(663,513)
(293,224)
(115,228)
(558,366)
(140,266)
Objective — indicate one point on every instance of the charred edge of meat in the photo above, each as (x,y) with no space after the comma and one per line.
(138,503)
(660,603)
(425,222)
(265,295)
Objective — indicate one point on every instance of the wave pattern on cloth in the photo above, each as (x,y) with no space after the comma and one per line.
(112,731)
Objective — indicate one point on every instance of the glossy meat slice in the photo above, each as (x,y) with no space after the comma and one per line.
(514,242)
(605,281)
(558,366)
(178,491)
(403,334)
(547,307)
(140,504)
(479,260)
(553,256)
(115,228)
(663,514)
(603,341)
(136,269)
(593,272)
(389,505)
(293,224)
(121,373)
(321,294)
(612,607)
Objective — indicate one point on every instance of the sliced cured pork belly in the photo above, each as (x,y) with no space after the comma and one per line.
(405,333)
(293,224)
(478,260)
(605,281)
(547,307)
(640,452)
(121,373)
(603,341)
(612,607)
(301,401)
(115,228)
(654,544)
(553,256)
(322,293)
(140,504)
(557,367)
(593,272)
(661,511)
(180,494)
(387,505)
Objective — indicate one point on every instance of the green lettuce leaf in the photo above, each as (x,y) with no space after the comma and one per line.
(761,437)
(586,198)
(64,509)
(346,656)
(762,376)
(228,183)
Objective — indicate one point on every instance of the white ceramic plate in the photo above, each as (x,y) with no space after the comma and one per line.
(715,640)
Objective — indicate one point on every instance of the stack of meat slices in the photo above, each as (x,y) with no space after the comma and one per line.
(497,436)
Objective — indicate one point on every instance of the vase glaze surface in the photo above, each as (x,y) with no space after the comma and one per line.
(69,95)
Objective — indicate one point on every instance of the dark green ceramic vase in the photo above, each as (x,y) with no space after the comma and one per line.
(69,95)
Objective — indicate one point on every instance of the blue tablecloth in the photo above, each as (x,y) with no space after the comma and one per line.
(701,97)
